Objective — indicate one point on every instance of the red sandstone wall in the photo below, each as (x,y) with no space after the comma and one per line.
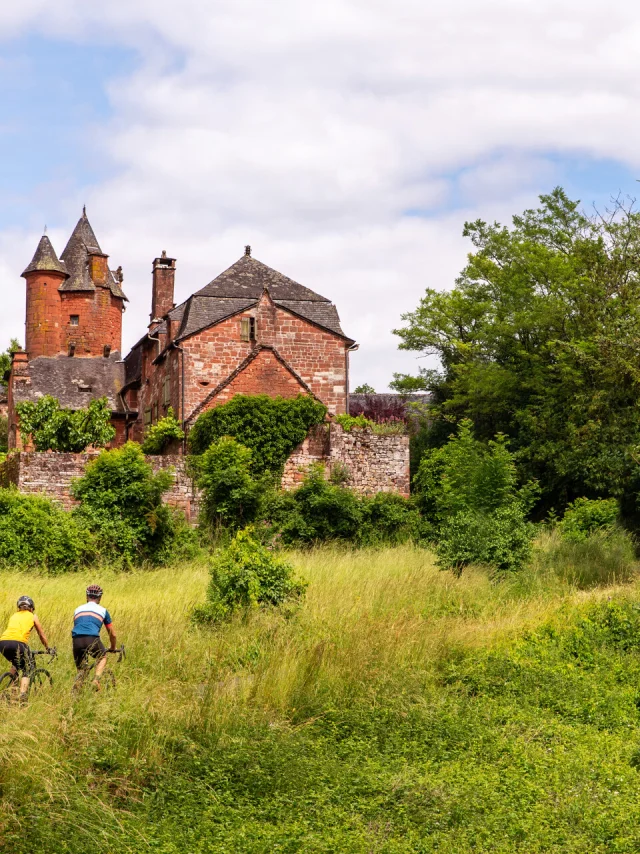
(42,329)
(265,374)
(100,321)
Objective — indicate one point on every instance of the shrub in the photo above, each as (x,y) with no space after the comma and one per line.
(159,435)
(121,502)
(602,558)
(244,575)
(584,517)
(501,539)
(37,534)
(270,427)
(51,428)
(320,511)
(231,496)
(468,490)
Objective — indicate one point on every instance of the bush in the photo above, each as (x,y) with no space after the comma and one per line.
(584,517)
(244,575)
(73,431)
(502,539)
(320,511)
(602,558)
(270,427)
(159,435)
(392,426)
(121,503)
(230,495)
(37,534)
(468,490)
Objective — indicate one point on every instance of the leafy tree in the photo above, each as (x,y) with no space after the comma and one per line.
(5,361)
(270,426)
(51,428)
(540,340)
(230,495)
(121,503)
(365,388)
(159,435)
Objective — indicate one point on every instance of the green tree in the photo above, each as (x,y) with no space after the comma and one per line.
(159,435)
(540,340)
(5,361)
(51,428)
(365,388)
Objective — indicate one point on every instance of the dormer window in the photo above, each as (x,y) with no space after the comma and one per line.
(247,329)
(74,319)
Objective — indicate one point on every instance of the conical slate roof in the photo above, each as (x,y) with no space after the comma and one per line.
(76,254)
(45,259)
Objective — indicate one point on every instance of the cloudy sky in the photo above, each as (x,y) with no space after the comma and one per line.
(346,141)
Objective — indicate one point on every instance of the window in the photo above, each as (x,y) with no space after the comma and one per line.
(167,391)
(72,349)
(155,412)
(247,329)
(74,319)
(147,417)
(106,351)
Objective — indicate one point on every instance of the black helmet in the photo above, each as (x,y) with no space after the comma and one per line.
(94,591)
(26,602)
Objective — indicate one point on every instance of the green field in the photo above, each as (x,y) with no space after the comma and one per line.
(398,709)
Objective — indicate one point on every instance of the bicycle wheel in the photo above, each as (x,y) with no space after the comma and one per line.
(7,682)
(40,679)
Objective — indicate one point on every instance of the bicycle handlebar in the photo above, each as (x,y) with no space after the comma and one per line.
(52,651)
(120,652)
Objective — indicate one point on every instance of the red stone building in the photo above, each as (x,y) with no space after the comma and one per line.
(249,331)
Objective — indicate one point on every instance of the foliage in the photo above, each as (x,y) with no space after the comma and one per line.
(270,427)
(320,511)
(244,575)
(121,503)
(37,534)
(231,496)
(398,710)
(360,422)
(5,361)
(4,434)
(604,556)
(382,408)
(161,434)
(468,490)
(365,388)
(583,517)
(539,340)
(51,428)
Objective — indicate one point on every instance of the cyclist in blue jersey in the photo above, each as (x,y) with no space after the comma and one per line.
(88,620)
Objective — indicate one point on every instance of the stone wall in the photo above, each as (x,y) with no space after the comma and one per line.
(51,474)
(371,462)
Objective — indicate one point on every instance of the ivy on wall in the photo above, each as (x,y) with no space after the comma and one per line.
(270,426)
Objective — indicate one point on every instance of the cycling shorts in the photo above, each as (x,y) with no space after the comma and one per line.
(17,653)
(85,645)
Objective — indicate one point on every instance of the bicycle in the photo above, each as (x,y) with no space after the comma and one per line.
(38,676)
(107,679)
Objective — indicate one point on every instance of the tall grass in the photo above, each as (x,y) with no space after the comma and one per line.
(375,626)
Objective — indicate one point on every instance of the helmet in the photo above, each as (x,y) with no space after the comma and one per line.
(94,590)
(26,602)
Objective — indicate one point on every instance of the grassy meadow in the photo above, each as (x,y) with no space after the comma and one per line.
(397,709)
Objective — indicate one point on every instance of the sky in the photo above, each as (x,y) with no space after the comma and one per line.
(346,141)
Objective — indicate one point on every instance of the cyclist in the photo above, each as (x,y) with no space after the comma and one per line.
(14,643)
(87,622)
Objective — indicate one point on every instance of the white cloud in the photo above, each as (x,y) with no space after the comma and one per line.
(309,130)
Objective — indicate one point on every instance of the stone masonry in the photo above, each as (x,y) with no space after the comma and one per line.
(373,463)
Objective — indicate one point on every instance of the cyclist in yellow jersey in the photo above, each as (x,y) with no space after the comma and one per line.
(14,642)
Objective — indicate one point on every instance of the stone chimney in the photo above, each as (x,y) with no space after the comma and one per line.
(164,273)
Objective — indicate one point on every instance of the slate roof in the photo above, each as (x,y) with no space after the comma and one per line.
(75,256)
(242,285)
(45,259)
(75,381)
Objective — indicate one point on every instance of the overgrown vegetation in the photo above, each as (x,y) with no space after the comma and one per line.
(51,428)
(245,575)
(270,427)
(121,504)
(160,435)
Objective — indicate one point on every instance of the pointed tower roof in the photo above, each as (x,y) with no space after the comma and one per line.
(45,259)
(76,254)
(82,243)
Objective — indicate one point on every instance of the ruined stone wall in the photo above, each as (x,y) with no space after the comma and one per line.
(48,473)
(371,462)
